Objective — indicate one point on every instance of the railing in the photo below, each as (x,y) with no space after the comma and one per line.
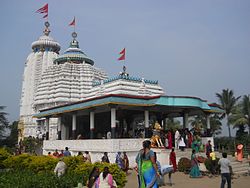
(125,77)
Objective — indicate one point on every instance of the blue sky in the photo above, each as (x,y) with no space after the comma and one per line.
(193,47)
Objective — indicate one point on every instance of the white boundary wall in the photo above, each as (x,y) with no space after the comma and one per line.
(97,147)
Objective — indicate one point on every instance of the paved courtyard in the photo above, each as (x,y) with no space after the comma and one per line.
(181,180)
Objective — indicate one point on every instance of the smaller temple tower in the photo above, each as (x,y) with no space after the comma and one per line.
(69,79)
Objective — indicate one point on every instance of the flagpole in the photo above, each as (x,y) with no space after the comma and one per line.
(124,67)
(75,24)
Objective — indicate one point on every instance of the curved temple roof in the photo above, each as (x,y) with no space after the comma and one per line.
(74,54)
(128,100)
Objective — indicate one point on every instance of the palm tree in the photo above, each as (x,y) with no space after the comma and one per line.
(241,115)
(3,120)
(173,124)
(199,122)
(227,101)
(215,123)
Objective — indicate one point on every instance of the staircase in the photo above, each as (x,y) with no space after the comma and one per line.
(238,167)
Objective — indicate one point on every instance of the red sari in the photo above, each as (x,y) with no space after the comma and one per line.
(190,139)
(172,160)
(169,136)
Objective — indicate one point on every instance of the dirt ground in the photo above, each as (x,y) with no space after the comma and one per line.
(181,180)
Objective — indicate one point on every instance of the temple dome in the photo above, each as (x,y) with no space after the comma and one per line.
(45,42)
(74,54)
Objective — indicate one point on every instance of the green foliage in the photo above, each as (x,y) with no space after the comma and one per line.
(40,163)
(11,140)
(228,102)
(4,154)
(208,164)
(173,124)
(31,144)
(77,170)
(29,179)
(184,164)
(16,162)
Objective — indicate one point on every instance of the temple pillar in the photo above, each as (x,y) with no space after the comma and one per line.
(146,120)
(208,125)
(185,120)
(47,127)
(113,122)
(59,128)
(92,124)
(74,126)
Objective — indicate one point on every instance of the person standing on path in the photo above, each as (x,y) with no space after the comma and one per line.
(226,169)
(147,168)
(195,171)
(172,159)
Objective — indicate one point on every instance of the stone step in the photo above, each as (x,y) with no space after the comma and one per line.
(241,172)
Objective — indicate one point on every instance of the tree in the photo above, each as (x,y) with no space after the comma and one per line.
(215,123)
(227,101)
(199,123)
(3,121)
(173,124)
(12,139)
(246,110)
(240,117)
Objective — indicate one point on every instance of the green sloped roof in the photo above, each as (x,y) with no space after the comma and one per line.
(173,101)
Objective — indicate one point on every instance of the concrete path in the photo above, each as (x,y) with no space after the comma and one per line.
(181,180)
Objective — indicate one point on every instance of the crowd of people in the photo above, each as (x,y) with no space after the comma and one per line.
(149,171)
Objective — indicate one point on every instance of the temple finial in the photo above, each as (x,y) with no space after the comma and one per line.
(46,31)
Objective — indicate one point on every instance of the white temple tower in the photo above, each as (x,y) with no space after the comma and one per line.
(50,80)
(44,51)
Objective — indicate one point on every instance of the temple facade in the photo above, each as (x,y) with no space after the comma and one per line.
(65,99)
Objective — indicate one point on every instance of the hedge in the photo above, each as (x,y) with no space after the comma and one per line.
(43,166)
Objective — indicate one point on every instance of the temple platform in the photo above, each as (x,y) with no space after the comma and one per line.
(97,147)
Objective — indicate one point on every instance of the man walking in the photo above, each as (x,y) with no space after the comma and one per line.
(226,169)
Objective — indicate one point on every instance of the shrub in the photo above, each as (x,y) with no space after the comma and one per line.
(43,166)
(208,164)
(184,164)
(4,154)
(29,179)
(16,162)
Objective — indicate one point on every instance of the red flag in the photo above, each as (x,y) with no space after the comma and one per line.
(122,53)
(44,10)
(73,23)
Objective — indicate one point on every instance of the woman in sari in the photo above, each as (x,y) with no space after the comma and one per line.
(172,159)
(126,162)
(195,171)
(169,136)
(195,145)
(147,168)
(93,176)
(190,139)
(240,152)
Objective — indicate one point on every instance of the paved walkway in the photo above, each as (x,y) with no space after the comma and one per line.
(181,180)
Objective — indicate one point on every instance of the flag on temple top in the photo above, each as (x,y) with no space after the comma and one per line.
(122,53)
(73,23)
(44,10)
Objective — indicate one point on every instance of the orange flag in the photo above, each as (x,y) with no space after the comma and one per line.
(122,53)
(73,23)
(44,10)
